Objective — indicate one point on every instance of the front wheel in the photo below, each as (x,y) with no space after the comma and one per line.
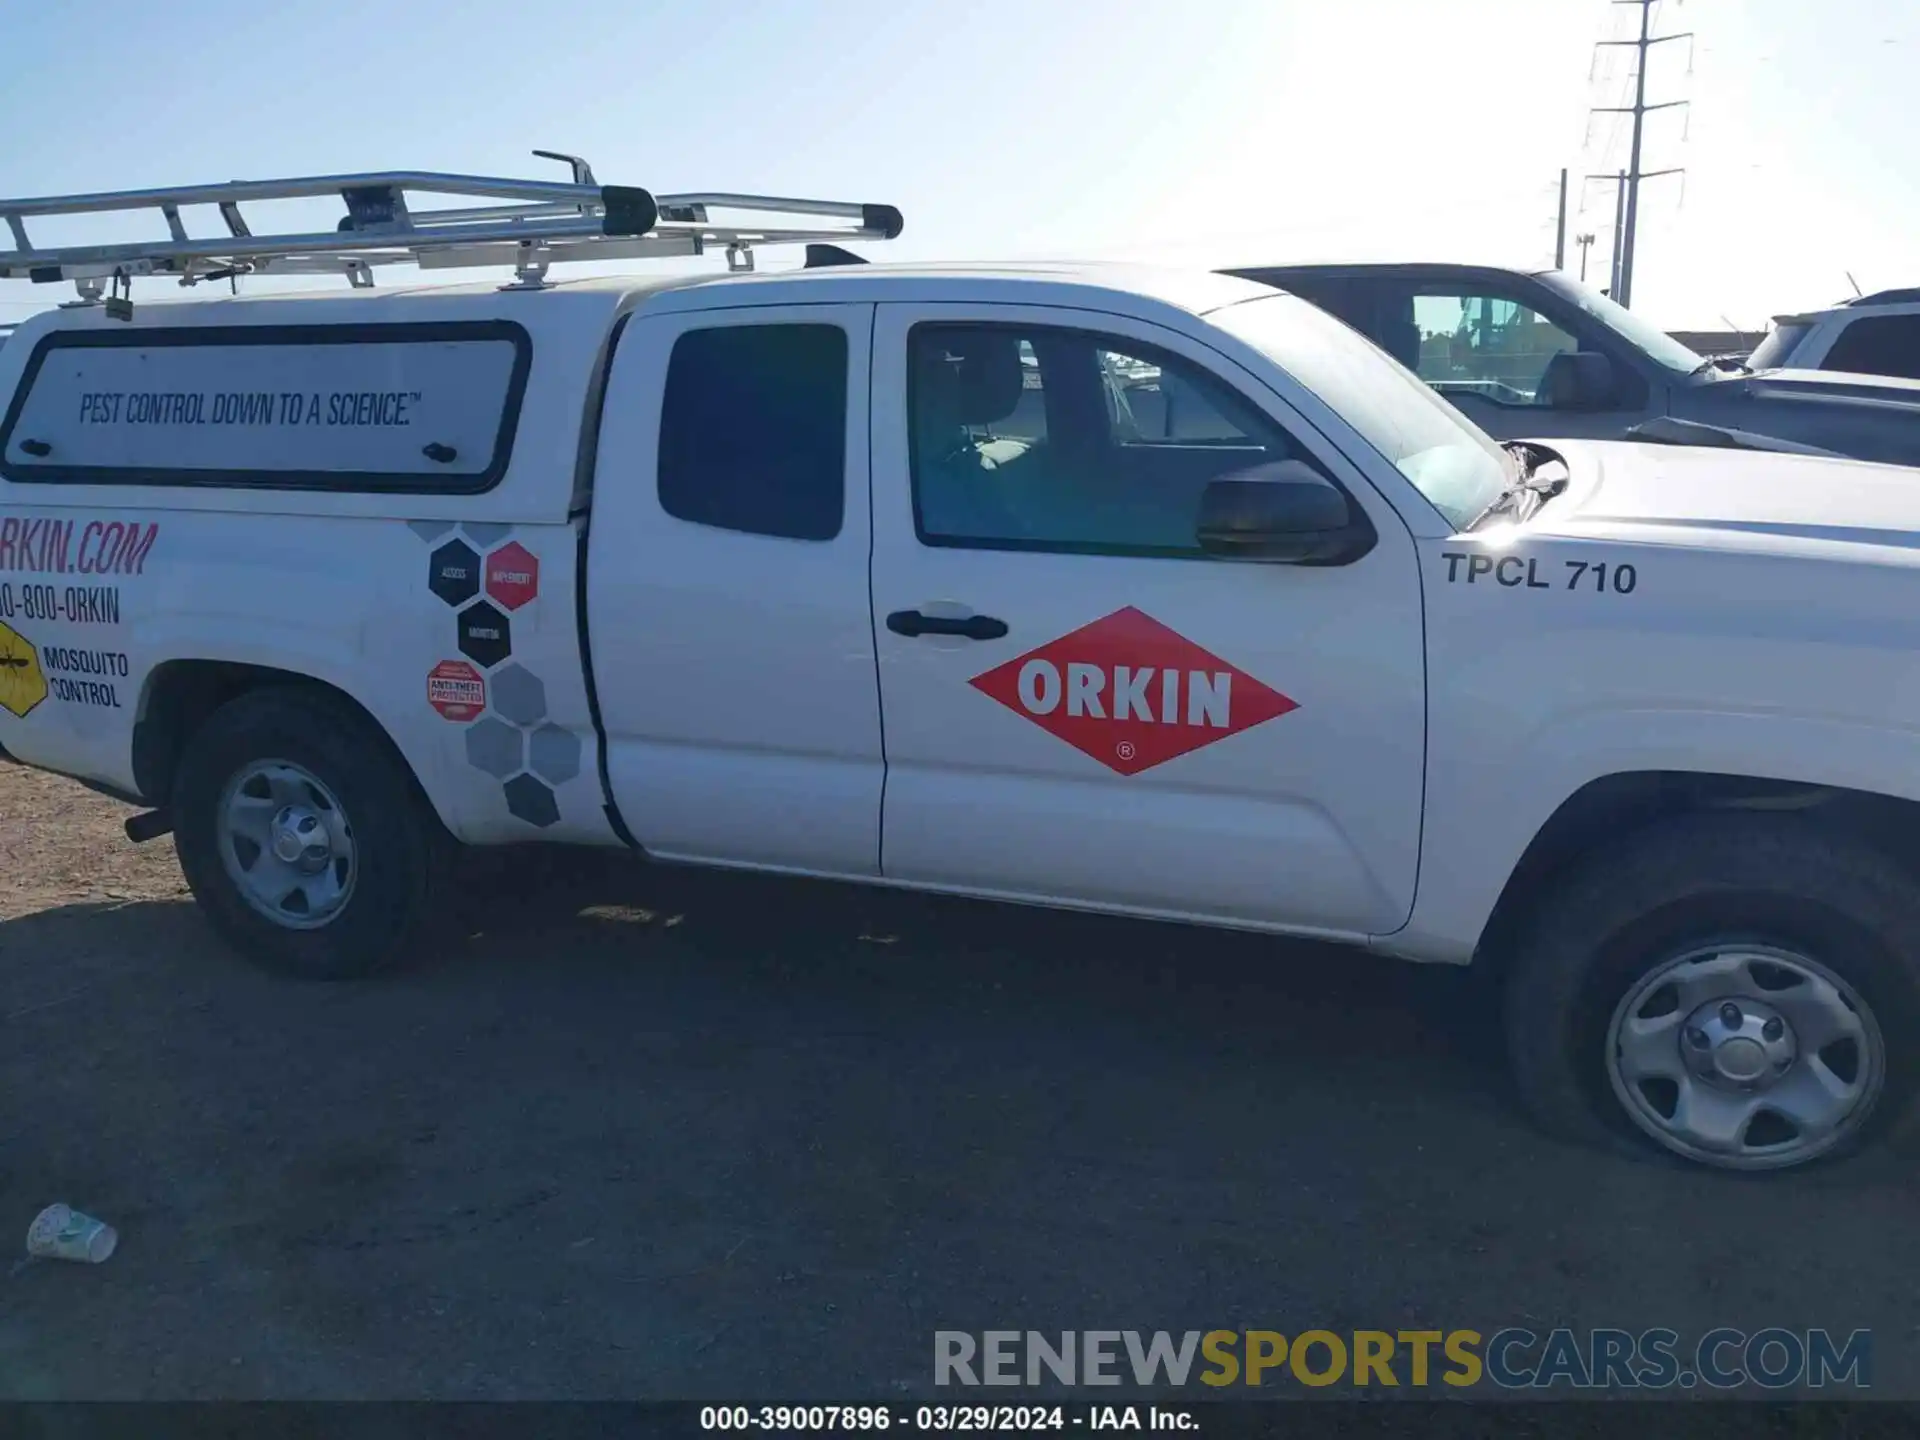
(1738,989)
(302,835)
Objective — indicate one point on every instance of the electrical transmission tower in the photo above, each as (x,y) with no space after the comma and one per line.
(1628,201)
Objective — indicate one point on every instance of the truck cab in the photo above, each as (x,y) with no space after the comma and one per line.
(1537,353)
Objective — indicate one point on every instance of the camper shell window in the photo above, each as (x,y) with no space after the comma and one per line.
(410,408)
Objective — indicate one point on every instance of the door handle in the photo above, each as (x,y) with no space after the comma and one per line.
(912,624)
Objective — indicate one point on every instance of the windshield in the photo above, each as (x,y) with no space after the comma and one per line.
(1456,466)
(1639,332)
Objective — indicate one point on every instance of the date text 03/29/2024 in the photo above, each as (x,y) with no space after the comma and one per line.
(942,1419)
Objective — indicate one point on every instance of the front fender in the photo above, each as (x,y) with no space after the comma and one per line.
(1493,811)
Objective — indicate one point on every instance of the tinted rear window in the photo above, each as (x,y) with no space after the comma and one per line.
(753,430)
(1878,345)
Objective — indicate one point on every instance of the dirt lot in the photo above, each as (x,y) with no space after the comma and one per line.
(652,1133)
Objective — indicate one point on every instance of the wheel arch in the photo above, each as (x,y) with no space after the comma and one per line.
(179,696)
(1612,808)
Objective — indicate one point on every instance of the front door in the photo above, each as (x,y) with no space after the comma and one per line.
(1082,706)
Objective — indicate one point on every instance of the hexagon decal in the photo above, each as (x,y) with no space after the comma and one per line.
(519,695)
(485,634)
(554,754)
(513,575)
(531,801)
(495,747)
(454,572)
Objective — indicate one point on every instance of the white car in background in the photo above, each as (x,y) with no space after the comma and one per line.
(1876,334)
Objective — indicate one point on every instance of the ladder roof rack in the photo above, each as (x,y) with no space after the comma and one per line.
(530,225)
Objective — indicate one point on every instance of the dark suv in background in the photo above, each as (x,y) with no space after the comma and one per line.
(1538,354)
(1877,334)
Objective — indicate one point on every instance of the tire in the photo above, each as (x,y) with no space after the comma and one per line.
(1795,919)
(336,921)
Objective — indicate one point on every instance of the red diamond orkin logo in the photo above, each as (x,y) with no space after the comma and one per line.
(1131,693)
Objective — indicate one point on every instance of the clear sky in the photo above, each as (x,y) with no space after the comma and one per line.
(1199,132)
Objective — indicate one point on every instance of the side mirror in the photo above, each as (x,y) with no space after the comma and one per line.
(1285,513)
(1578,380)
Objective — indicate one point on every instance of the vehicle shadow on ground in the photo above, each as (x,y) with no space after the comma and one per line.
(1378,1028)
(625,1130)
(765,939)
(1217,986)
(1289,1012)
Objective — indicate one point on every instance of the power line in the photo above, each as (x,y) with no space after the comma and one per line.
(1622,85)
(1608,94)
(1631,177)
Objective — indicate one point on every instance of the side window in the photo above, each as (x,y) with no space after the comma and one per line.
(753,430)
(1878,345)
(1777,349)
(1496,349)
(1052,439)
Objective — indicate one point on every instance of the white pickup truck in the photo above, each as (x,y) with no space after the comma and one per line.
(1153,593)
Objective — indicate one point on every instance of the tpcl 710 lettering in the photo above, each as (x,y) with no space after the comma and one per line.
(1164,595)
(1515,571)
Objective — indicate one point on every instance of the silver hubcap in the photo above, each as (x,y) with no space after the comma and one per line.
(1745,1057)
(286,844)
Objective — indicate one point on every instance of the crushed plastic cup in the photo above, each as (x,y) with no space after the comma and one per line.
(60,1232)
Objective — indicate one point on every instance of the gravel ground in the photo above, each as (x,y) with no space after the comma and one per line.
(651,1134)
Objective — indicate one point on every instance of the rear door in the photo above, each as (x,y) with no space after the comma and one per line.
(1082,706)
(727,588)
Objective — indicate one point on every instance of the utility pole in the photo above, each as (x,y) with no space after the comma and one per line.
(1619,183)
(1560,231)
(1623,285)
(1584,242)
(1619,233)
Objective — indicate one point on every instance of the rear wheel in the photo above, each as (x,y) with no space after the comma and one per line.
(1738,989)
(302,834)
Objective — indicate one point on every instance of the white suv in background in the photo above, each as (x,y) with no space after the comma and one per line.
(1876,334)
